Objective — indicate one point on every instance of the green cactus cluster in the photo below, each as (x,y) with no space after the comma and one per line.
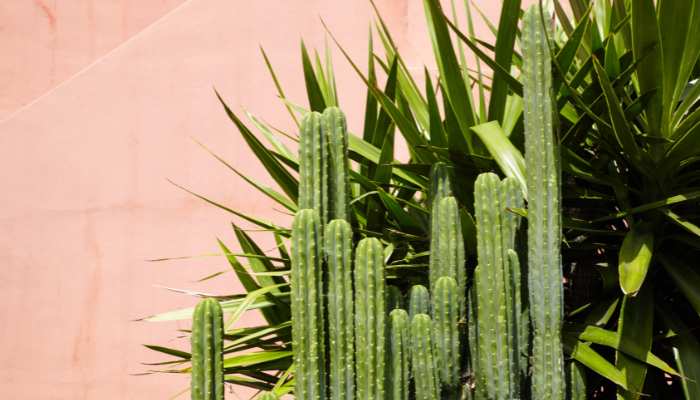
(352,336)
(484,325)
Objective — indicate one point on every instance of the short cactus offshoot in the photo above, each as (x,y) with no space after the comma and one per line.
(207,351)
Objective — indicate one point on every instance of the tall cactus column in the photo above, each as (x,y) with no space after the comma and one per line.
(399,343)
(207,351)
(544,220)
(497,288)
(338,243)
(370,319)
(307,307)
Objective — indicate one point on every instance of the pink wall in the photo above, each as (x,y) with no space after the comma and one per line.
(84,166)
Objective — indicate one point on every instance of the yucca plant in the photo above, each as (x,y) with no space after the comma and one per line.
(624,90)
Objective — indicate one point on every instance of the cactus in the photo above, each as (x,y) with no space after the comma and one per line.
(323,164)
(447,247)
(419,301)
(338,246)
(335,131)
(398,374)
(497,287)
(369,319)
(268,396)
(307,306)
(544,219)
(446,320)
(577,381)
(394,298)
(207,351)
(423,364)
(313,166)
(440,182)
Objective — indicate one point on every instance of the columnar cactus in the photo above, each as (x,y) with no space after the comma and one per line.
(418,301)
(497,286)
(307,306)
(440,182)
(446,322)
(394,298)
(370,311)
(544,219)
(399,338)
(425,376)
(207,351)
(323,164)
(335,129)
(338,244)
(447,247)
(313,166)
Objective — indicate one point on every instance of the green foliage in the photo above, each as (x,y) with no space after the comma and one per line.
(207,351)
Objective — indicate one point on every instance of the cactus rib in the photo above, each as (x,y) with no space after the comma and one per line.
(544,219)
(207,351)
(307,306)
(370,313)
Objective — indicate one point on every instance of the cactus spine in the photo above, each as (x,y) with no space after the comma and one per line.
(419,301)
(447,247)
(370,319)
(398,354)
(307,306)
(207,351)
(446,322)
(497,286)
(544,219)
(422,361)
(338,243)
